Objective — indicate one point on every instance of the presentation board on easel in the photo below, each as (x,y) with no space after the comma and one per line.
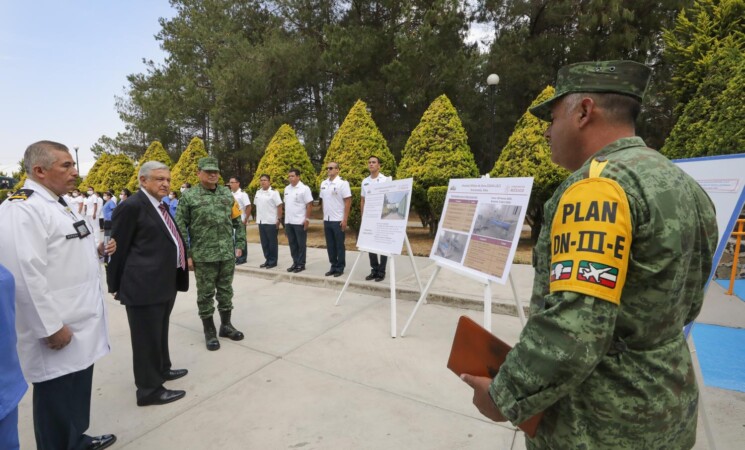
(480,226)
(723,178)
(479,231)
(386,214)
(383,232)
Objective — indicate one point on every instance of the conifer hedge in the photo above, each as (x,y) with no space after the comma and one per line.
(283,153)
(155,152)
(356,140)
(185,170)
(95,174)
(436,151)
(527,154)
(712,122)
(115,175)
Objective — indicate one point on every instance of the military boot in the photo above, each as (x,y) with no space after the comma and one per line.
(227,329)
(210,334)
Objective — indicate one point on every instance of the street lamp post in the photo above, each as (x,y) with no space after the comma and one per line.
(77,164)
(493,80)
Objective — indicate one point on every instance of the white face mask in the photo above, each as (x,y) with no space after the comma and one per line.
(75,194)
(183,189)
(90,192)
(106,197)
(171,196)
(121,196)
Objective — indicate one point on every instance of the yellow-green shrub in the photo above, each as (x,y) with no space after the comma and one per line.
(527,154)
(283,153)
(357,139)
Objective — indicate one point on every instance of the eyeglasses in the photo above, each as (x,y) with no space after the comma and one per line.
(330,168)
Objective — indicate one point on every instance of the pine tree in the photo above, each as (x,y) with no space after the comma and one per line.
(116,175)
(436,151)
(527,154)
(283,153)
(357,139)
(155,152)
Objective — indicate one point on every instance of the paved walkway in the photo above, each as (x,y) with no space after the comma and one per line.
(311,375)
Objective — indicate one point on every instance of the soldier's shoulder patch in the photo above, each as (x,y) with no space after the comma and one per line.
(235,210)
(591,240)
(21,194)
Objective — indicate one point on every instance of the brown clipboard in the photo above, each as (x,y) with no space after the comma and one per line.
(477,352)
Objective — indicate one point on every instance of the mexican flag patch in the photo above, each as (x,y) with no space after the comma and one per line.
(597,273)
(561,270)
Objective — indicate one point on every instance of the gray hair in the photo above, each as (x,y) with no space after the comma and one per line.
(618,108)
(40,154)
(149,166)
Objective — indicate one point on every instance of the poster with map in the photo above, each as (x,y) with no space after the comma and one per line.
(481,224)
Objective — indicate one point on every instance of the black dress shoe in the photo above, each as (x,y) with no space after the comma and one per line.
(270,266)
(380,277)
(174,374)
(329,273)
(299,269)
(338,274)
(292,268)
(372,276)
(263,265)
(101,442)
(161,397)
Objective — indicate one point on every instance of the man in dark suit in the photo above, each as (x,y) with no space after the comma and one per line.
(145,274)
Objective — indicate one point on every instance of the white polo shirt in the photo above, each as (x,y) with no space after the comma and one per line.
(333,194)
(242,199)
(368,181)
(296,203)
(266,202)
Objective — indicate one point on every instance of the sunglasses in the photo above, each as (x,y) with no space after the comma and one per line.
(330,168)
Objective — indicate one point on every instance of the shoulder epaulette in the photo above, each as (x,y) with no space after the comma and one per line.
(21,194)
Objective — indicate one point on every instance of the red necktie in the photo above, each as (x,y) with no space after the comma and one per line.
(174,231)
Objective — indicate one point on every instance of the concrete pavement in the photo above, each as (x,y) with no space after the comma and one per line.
(312,375)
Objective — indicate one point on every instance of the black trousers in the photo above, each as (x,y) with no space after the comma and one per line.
(269,244)
(297,238)
(62,410)
(378,267)
(335,245)
(148,329)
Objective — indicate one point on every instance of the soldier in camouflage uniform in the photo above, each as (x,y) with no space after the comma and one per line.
(208,214)
(620,268)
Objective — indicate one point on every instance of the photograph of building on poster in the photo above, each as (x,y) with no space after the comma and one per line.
(394,206)
(491,240)
(451,246)
(497,221)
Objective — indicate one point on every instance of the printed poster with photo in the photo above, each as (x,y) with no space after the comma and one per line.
(383,227)
(481,224)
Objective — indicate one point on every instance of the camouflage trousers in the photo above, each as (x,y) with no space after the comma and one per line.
(214,280)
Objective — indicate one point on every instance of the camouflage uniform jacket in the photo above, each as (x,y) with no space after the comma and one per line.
(620,267)
(205,217)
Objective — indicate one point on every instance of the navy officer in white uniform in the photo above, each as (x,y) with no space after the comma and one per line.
(60,312)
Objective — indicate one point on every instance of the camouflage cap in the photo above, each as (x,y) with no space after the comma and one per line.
(617,77)
(207,163)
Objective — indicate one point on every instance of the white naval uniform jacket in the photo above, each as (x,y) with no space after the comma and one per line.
(57,282)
